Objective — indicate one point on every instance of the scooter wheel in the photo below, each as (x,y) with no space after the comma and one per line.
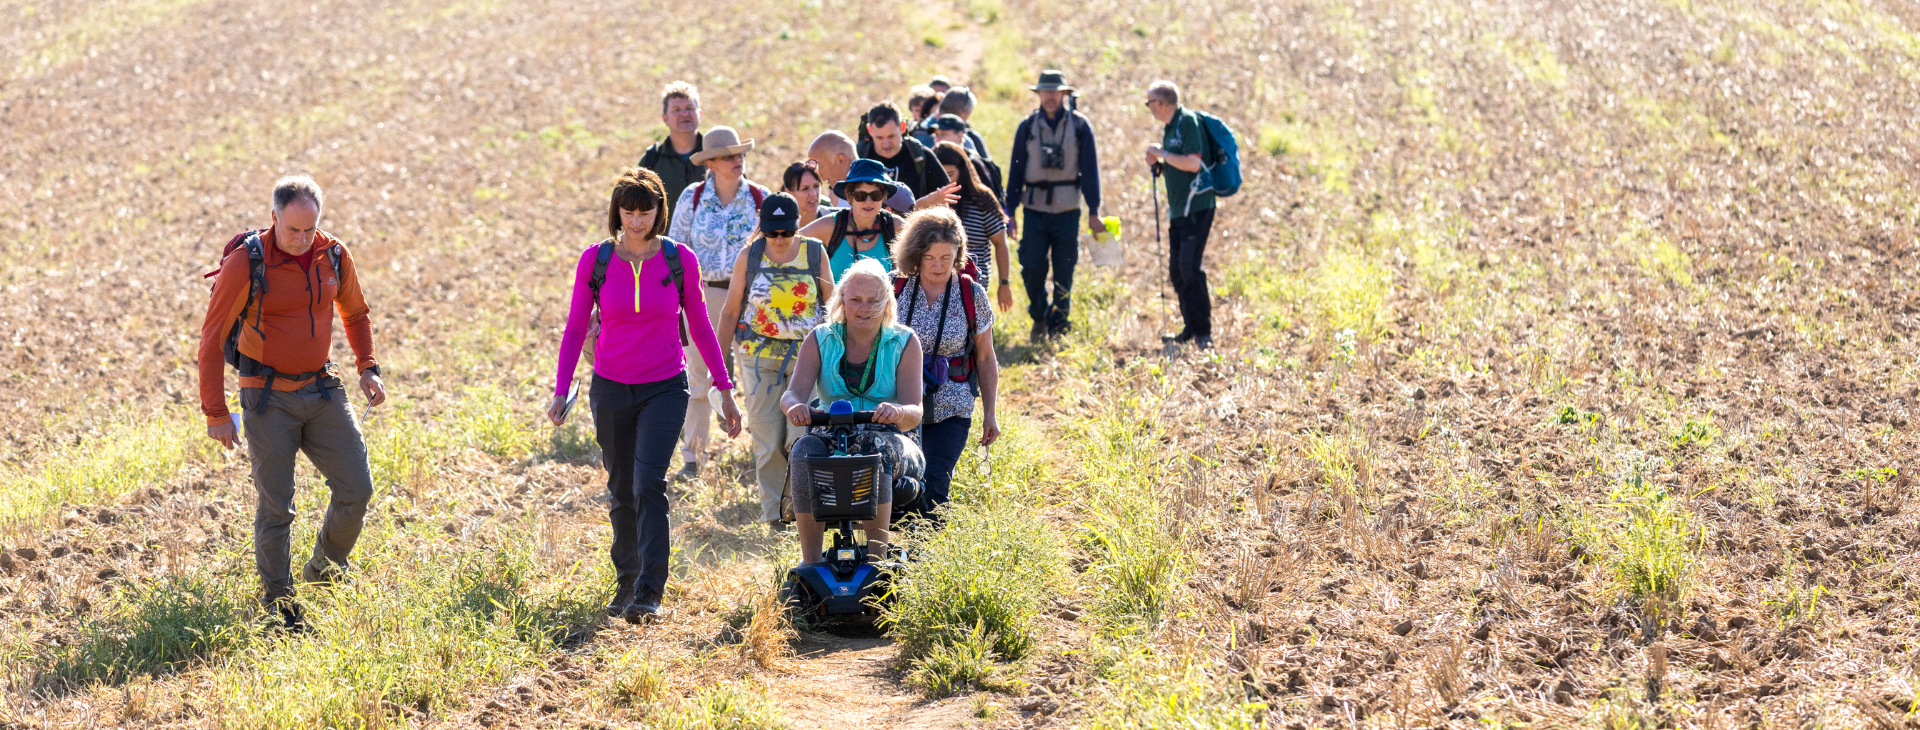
(802,604)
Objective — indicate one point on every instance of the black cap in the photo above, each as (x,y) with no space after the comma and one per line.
(779,212)
(949,123)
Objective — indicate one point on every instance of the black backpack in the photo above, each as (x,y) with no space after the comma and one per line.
(257,287)
(842,218)
(675,271)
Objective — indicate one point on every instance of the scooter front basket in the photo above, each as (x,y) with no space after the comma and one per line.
(847,487)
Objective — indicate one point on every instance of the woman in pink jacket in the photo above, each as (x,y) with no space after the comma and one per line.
(639,392)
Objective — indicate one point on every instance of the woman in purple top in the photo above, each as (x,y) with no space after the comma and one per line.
(639,392)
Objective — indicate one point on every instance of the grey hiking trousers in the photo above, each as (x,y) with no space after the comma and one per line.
(298,421)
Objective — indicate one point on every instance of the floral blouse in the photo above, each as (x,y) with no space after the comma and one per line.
(715,232)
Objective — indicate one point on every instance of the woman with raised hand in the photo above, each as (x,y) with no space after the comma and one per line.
(864,230)
(802,181)
(862,356)
(639,392)
(714,218)
(948,312)
(779,283)
(979,211)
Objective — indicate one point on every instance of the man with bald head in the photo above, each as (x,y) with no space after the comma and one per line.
(834,152)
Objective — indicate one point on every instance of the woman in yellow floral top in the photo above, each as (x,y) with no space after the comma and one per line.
(773,300)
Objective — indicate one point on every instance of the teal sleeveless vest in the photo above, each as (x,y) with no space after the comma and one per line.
(833,346)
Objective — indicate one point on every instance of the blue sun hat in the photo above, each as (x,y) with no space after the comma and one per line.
(865,171)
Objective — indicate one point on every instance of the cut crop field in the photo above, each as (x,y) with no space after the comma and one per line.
(1565,371)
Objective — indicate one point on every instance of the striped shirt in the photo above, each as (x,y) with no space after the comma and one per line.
(981,219)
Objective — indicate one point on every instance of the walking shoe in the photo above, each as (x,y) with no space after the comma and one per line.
(1060,330)
(293,617)
(1204,342)
(323,572)
(1182,338)
(1039,333)
(688,472)
(622,599)
(645,607)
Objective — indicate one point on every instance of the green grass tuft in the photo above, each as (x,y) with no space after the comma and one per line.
(101,469)
(989,570)
(949,669)
(156,628)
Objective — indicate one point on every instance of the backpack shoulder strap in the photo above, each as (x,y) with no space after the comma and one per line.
(966,300)
(755,252)
(699,191)
(256,277)
(840,219)
(816,258)
(334,253)
(601,258)
(759,196)
(679,275)
(674,270)
(651,158)
(889,225)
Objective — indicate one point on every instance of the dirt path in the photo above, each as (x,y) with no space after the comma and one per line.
(839,682)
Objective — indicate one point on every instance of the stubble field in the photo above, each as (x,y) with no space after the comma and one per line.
(1565,378)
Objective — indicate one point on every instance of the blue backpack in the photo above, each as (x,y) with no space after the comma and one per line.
(1220,175)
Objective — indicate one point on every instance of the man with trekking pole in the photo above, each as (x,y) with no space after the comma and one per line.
(1193,147)
(271,317)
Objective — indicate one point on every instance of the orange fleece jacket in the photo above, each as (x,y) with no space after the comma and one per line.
(293,314)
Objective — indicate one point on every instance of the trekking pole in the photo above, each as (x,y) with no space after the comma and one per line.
(1160,285)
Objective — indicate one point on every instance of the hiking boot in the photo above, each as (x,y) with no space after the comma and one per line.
(293,617)
(1060,329)
(323,572)
(622,598)
(1204,342)
(688,472)
(1039,333)
(645,607)
(1179,339)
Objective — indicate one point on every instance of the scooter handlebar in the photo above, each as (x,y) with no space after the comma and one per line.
(823,418)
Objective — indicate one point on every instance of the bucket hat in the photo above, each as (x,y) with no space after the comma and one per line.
(865,171)
(720,142)
(1052,80)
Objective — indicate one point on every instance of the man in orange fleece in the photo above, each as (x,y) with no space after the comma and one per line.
(290,395)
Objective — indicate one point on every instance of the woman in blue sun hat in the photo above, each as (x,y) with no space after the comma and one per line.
(865,229)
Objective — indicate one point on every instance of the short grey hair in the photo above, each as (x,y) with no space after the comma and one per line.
(1164,90)
(297,187)
(958,101)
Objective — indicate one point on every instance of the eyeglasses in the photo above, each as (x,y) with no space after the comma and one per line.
(869,196)
(781,234)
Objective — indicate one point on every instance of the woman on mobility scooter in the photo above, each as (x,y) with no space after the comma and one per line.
(862,356)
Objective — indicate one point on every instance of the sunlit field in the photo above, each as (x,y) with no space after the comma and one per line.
(1565,371)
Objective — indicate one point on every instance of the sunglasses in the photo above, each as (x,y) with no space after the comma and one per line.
(869,196)
(726,158)
(781,234)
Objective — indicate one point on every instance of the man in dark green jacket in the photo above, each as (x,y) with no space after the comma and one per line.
(1179,155)
(672,158)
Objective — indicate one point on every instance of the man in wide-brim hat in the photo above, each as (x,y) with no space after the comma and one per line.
(716,218)
(1054,166)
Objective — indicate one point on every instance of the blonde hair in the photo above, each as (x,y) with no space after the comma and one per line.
(924,229)
(862,269)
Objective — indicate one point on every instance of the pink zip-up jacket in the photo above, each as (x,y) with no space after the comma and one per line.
(639,325)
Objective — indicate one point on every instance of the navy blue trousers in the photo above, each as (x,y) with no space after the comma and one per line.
(637,427)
